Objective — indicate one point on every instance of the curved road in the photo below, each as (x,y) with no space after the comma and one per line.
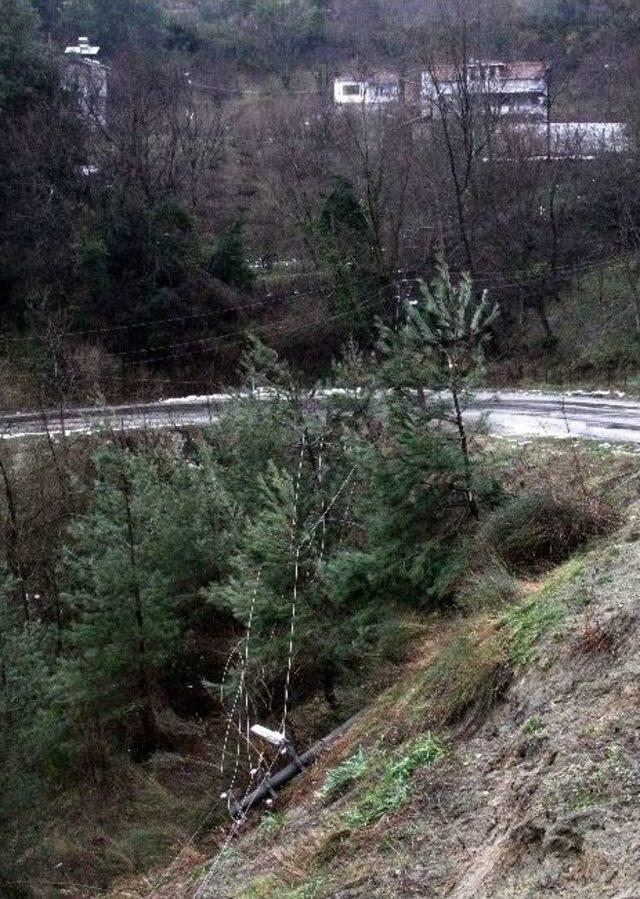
(602,417)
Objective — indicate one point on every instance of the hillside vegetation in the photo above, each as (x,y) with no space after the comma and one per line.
(503,762)
(343,549)
(171,592)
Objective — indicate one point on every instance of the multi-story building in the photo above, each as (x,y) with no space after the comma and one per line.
(514,89)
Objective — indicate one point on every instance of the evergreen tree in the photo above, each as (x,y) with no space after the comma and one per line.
(24,672)
(229,259)
(443,337)
(291,472)
(282,586)
(22,67)
(455,328)
(134,566)
(345,248)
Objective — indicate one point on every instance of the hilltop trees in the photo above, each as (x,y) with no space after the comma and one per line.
(115,24)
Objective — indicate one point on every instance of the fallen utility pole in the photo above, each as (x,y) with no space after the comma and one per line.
(269,786)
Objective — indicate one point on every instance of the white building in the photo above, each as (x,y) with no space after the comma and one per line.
(517,89)
(86,75)
(585,140)
(579,141)
(374,90)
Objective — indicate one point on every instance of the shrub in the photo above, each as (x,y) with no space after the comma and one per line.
(536,530)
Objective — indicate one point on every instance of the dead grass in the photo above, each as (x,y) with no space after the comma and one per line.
(593,639)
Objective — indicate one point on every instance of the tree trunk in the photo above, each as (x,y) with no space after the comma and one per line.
(14,548)
(147,718)
(462,440)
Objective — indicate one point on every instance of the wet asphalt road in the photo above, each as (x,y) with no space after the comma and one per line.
(602,417)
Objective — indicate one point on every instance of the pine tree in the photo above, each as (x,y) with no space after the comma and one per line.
(24,672)
(445,333)
(229,259)
(301,620)
(293,477)
(345,248)
(155,536)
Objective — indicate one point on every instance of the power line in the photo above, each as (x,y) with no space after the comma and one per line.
(269,299)
(498,278)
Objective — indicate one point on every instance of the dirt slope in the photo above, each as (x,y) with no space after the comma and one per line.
(536,791)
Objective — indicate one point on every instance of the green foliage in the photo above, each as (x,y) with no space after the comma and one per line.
(285,467)
(341,778)
(424,753)
(229,259)
(344,240)
(135,264)
(277,564)
(132,569)
(442,338)
(116,24)
(271,823)
(467,678)
(21,54)
(392,790)
(25,655)
(527,624)
(266,35)
(414,480)
(420,475)
(533,726)
(489,590)
(450,322)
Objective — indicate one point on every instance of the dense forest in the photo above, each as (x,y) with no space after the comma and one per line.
(352,275)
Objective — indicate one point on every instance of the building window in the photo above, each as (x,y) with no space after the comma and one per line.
(384,90)
(350,90)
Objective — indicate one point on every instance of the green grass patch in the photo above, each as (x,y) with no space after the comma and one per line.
(271,823)
(341,778)
(392,790)
(263,887)
(534,725)
(526,625)
(469,675)
(310,889)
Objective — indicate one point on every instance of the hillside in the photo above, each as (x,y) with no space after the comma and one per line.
(272,273)
(504,763)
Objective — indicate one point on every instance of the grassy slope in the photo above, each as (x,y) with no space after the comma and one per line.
(503,763)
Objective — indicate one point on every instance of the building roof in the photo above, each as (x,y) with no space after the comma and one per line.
(369,77)
(513,71)
(82,48)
